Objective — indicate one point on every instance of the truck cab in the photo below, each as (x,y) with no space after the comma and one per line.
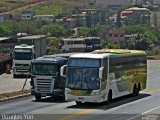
(45,77)
(22,57)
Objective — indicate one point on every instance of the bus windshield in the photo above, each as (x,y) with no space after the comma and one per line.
(83,78)
(83,74)
(44,69)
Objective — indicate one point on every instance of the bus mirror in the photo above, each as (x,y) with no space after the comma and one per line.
(63,71)
(101,72)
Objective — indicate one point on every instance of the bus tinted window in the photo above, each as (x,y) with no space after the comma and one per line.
(84,63)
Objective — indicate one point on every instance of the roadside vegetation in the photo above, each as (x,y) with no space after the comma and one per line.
(145,38)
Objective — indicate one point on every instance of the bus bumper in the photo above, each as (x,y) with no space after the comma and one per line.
(83,99)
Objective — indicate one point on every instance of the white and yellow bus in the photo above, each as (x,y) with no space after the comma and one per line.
(104,75)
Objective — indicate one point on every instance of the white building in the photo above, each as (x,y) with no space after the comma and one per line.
(27,15)
(120,2)
(50,18)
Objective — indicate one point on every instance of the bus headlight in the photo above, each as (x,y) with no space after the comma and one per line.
(95,93)
(67,91)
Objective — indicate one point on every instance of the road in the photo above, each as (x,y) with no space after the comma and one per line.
(146,106)
(8,83)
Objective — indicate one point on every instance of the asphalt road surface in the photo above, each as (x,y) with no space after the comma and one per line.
(146,106)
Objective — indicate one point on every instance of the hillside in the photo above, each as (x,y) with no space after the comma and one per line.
(9,5)
(18,5)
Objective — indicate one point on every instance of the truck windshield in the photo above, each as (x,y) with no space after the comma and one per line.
(83,74)
(23,54)
(44,69)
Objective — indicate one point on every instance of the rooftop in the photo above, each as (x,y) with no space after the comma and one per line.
(73,39)
(4,38)
(136,8)
(49,59)
(103,53)
(32,37)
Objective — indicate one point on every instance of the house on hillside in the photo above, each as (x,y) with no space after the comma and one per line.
(27,15)
(116,36)
(155,19)
(49,18)
(142,14)
(5,17)
(80,18)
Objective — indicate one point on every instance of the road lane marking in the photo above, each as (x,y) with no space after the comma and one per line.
(132,118)
(152,90)
(77,114)
(84,112)
(151,110)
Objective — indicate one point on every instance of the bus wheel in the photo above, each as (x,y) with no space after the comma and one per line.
(109,99)
(135,90)
(78,103)
(139,86)
(37,97)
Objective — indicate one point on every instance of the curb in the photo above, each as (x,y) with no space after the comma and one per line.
(7,97)
(14,97)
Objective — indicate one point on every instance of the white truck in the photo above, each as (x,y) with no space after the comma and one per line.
(22,57)
(30,48)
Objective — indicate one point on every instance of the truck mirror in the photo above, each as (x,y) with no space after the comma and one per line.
(63,70)
(29,69)
(101,72)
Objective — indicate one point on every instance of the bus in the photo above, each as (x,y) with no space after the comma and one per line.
(72,45)
(80,44)
(105,74)
(92,43)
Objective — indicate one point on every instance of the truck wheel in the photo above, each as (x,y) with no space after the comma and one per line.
(37,97)
(78,103)
(14,76)
(135,90)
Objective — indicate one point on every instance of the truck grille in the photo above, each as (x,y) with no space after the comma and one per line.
(21,65)
(44,85)
(22,70)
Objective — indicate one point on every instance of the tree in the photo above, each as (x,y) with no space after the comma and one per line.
(112,46)
(53,46)
(118,22)
(140,42)
(84,31)
(4,30)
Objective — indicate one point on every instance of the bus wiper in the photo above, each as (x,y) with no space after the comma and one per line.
(74,87)
(85,80)
(87,84)
(77,83)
